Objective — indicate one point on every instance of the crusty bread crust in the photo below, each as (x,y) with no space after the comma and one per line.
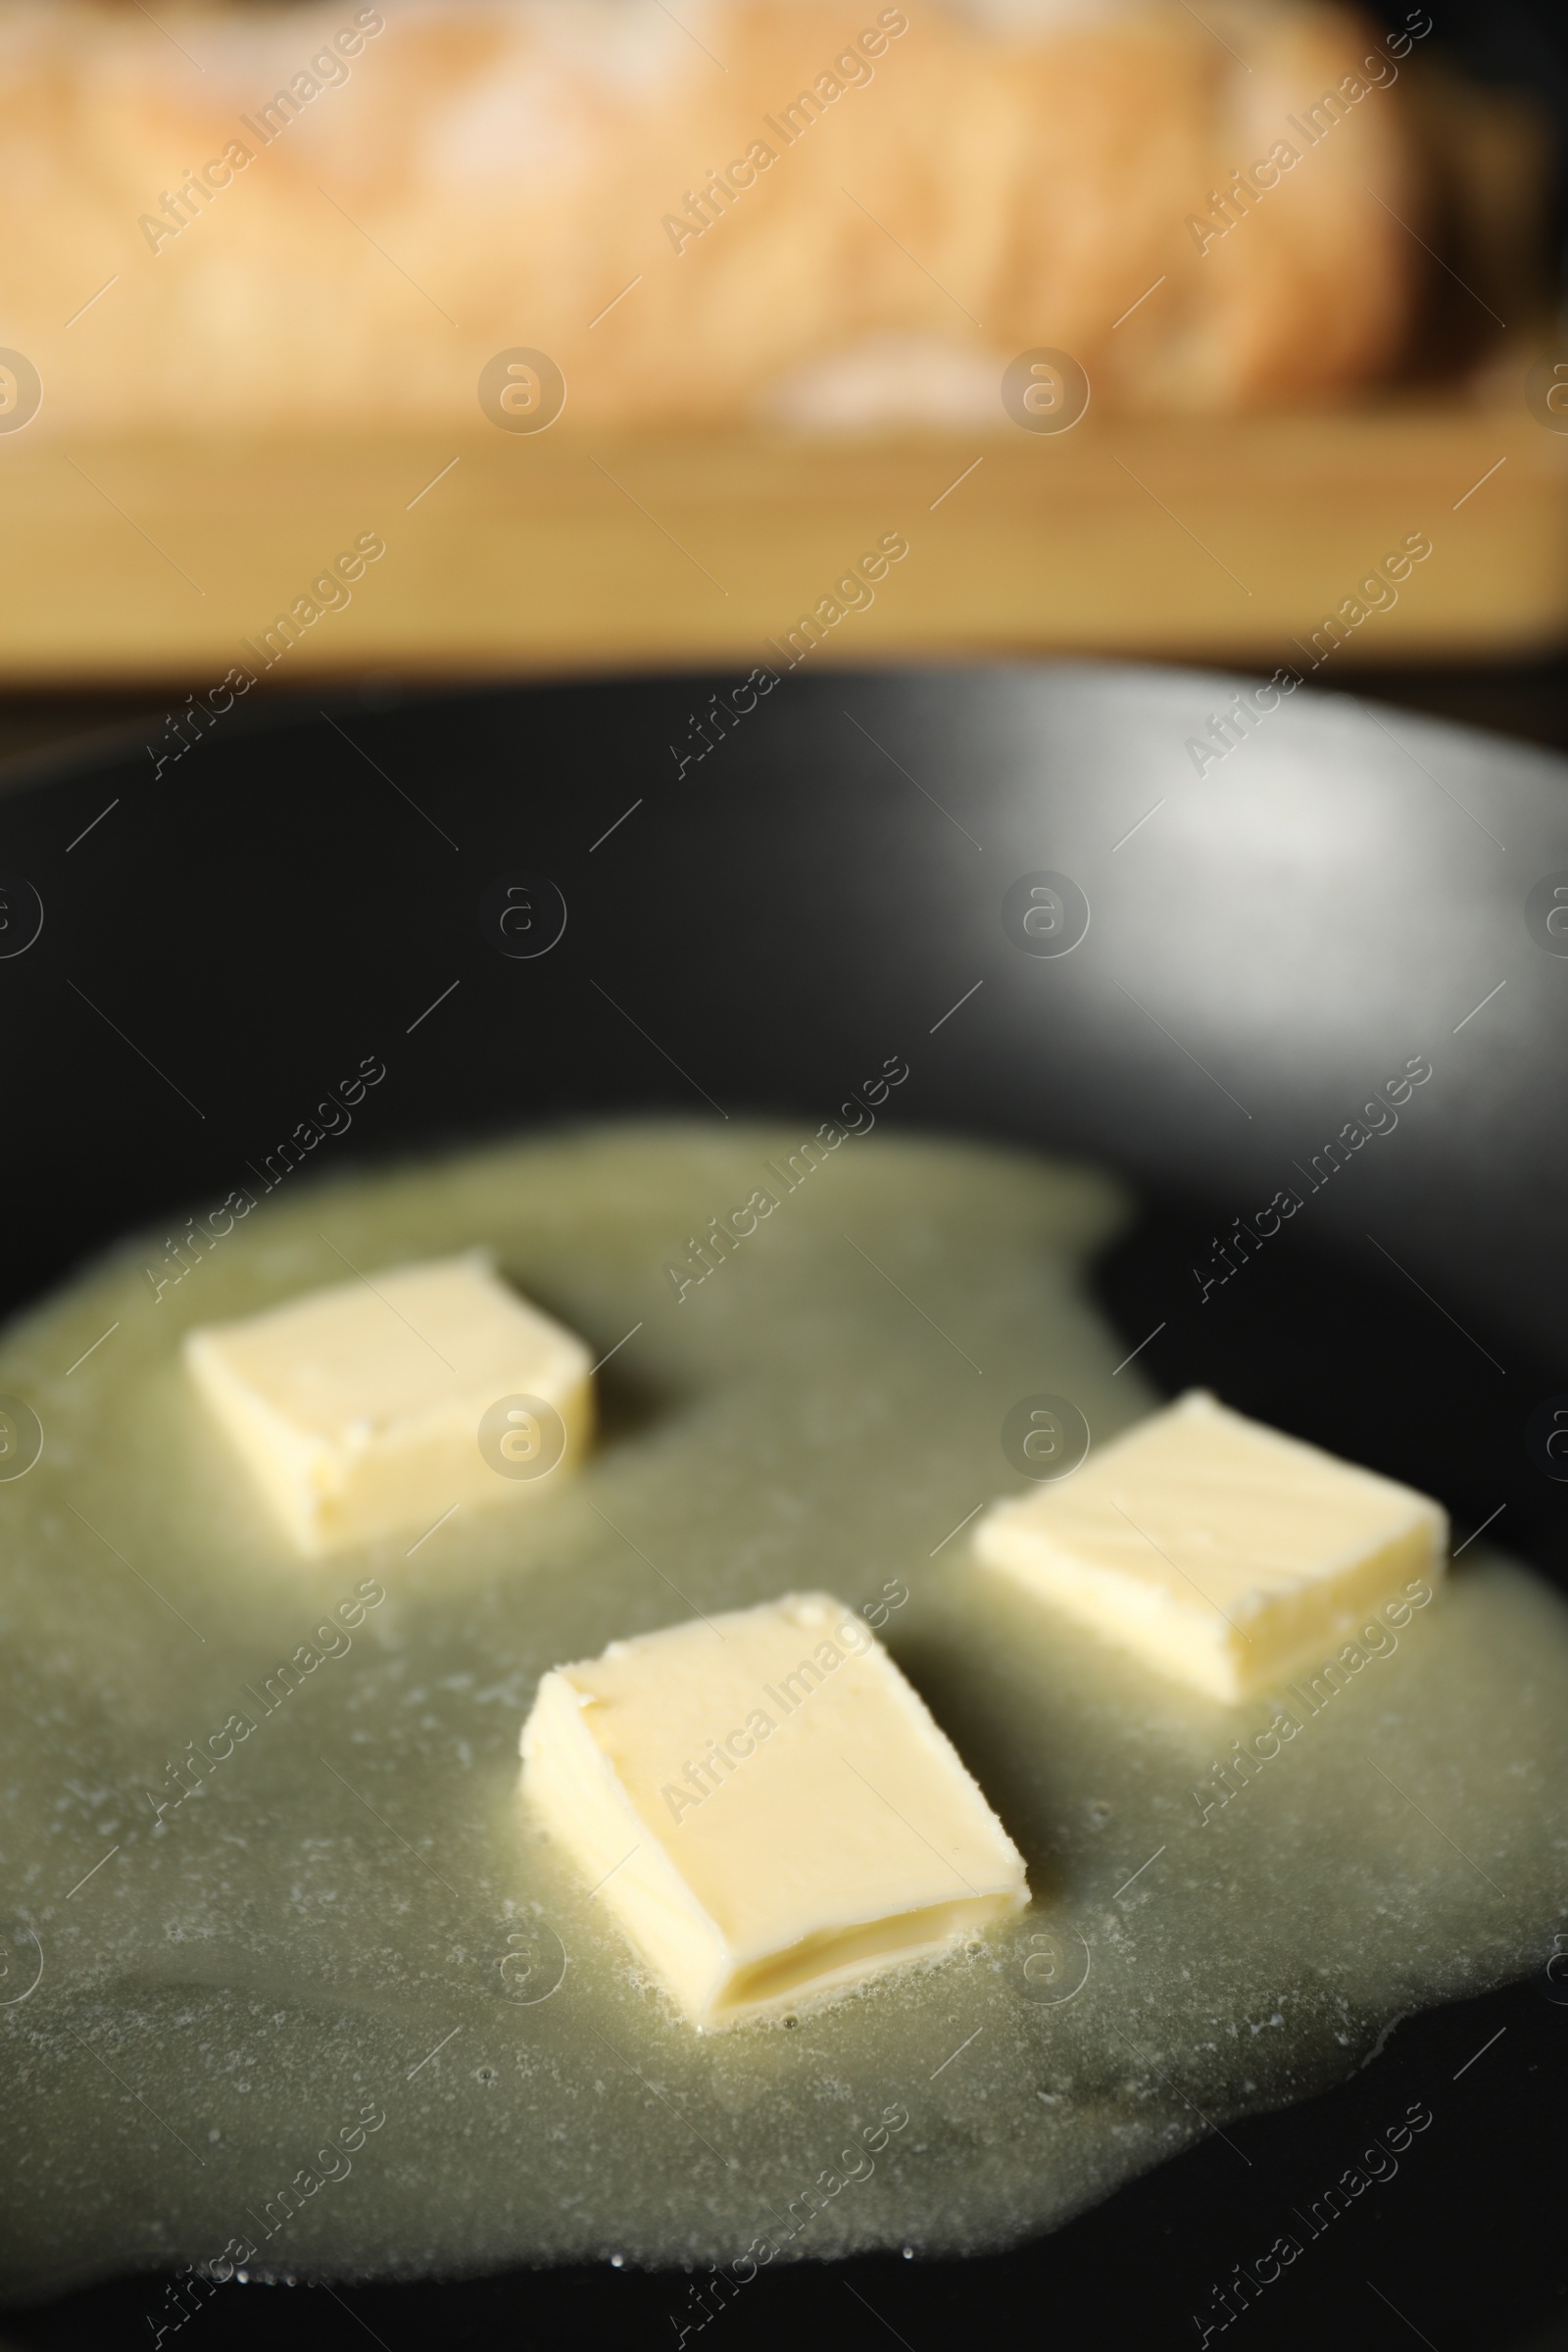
(480,174)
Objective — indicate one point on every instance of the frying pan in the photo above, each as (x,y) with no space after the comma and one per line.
(1104,910)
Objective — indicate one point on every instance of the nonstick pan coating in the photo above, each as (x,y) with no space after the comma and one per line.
(1277,928)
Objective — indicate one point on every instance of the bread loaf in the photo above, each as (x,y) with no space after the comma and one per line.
(831,212)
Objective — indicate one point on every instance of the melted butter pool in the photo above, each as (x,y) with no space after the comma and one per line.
(340,2011)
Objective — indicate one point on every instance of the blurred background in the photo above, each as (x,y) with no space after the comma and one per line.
(450,339)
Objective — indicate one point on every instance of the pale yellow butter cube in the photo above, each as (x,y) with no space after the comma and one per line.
(766,1805)
(358,1408)
(1219,1550)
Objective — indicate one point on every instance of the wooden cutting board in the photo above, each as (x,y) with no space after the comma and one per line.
(506,553)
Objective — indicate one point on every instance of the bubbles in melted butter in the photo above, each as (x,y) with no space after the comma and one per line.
(312,1997)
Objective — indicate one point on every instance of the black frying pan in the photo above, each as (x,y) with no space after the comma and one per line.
(1278,938)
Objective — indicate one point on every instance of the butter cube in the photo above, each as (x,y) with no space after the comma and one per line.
(381,1403)
(1219,1550)
(766,1805)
